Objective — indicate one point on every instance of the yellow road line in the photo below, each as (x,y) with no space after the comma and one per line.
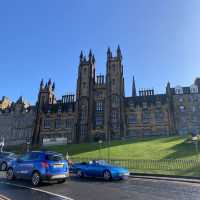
(2,197)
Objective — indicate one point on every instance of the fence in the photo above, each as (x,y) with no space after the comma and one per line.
(168,166)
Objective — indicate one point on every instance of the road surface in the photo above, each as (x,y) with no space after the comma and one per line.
(93,189)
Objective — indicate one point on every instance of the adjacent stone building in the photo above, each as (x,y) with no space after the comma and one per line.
(17,121)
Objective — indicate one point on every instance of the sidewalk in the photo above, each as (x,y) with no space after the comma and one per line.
(166,177)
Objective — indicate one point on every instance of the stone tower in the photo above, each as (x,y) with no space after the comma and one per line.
(115,118)
(46,97)
(85,97)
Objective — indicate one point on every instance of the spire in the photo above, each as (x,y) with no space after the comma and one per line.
(119,54)
(90,54)
(168,88)
(53,86)
(109,53)
(42,84)
(134,94)
(49,82)
(84,59)
(81,56)
(93,59)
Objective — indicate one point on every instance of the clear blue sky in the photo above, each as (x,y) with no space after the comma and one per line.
(160,41)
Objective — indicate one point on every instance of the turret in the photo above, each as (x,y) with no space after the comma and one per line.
(119,54)
(42,84)
(134,94)
(109,53)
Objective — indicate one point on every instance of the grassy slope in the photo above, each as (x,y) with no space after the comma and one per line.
(146,148)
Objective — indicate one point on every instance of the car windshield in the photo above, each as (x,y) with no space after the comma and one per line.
(54,157)
(100,162)
(6,154)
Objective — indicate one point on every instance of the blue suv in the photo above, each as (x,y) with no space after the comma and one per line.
(39,166)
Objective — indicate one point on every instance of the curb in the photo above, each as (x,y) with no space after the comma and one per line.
(186,179)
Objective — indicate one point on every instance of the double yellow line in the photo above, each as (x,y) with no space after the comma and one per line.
(3,197)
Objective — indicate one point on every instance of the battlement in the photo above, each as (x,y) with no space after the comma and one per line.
(69,98)
(146,92)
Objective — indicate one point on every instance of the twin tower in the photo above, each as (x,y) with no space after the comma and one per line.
(99,104)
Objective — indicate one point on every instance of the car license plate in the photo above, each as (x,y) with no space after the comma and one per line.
(58,176)
(58,165)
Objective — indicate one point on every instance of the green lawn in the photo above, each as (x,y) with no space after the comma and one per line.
(146,148)
(162,149)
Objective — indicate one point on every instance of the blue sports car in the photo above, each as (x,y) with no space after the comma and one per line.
(39,166)
(99,169)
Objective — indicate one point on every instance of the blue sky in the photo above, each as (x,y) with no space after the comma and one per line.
(160,41)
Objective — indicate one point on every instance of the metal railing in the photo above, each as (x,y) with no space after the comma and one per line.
(151,165)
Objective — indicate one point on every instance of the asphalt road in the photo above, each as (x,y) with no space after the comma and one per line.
(93,189)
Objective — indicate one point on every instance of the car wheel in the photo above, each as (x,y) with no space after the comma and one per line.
(35,180)
(107,175)
(10,174)
(80,173)
(3,166)
(61,181)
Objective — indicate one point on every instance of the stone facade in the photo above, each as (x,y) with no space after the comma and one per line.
(100,109)
(16,121)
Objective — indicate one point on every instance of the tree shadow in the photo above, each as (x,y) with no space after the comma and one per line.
(184,150)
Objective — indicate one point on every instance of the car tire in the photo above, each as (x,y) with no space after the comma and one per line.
(10,174)
(107,175)
(36,179)
(79,173)
(3,166)
(61,181)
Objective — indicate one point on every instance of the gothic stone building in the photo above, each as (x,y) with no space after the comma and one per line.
(100,109)
(16,121)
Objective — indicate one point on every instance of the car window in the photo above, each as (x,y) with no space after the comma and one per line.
(54,157)
(35,156)
(25,157)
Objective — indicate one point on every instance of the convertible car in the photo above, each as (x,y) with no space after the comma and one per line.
(99,169)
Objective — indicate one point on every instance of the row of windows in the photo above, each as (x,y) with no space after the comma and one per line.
(179,90)
(182,108)
(146,117)
(99,106)
(58,123)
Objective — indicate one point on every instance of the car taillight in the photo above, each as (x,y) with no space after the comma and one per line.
(45,164)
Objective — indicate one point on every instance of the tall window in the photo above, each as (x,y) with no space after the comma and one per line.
(69,123)
(99,106)
(83,130)
(47,123)
(58,123)
(132,119)
(83,116)
(84,84)
(115,99)
(99,120)
(159,116)
(146,117)
(114,116)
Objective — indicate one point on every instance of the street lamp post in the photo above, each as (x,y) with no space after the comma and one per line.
(28,144)
(2,145)
(100,143)
(195,139)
